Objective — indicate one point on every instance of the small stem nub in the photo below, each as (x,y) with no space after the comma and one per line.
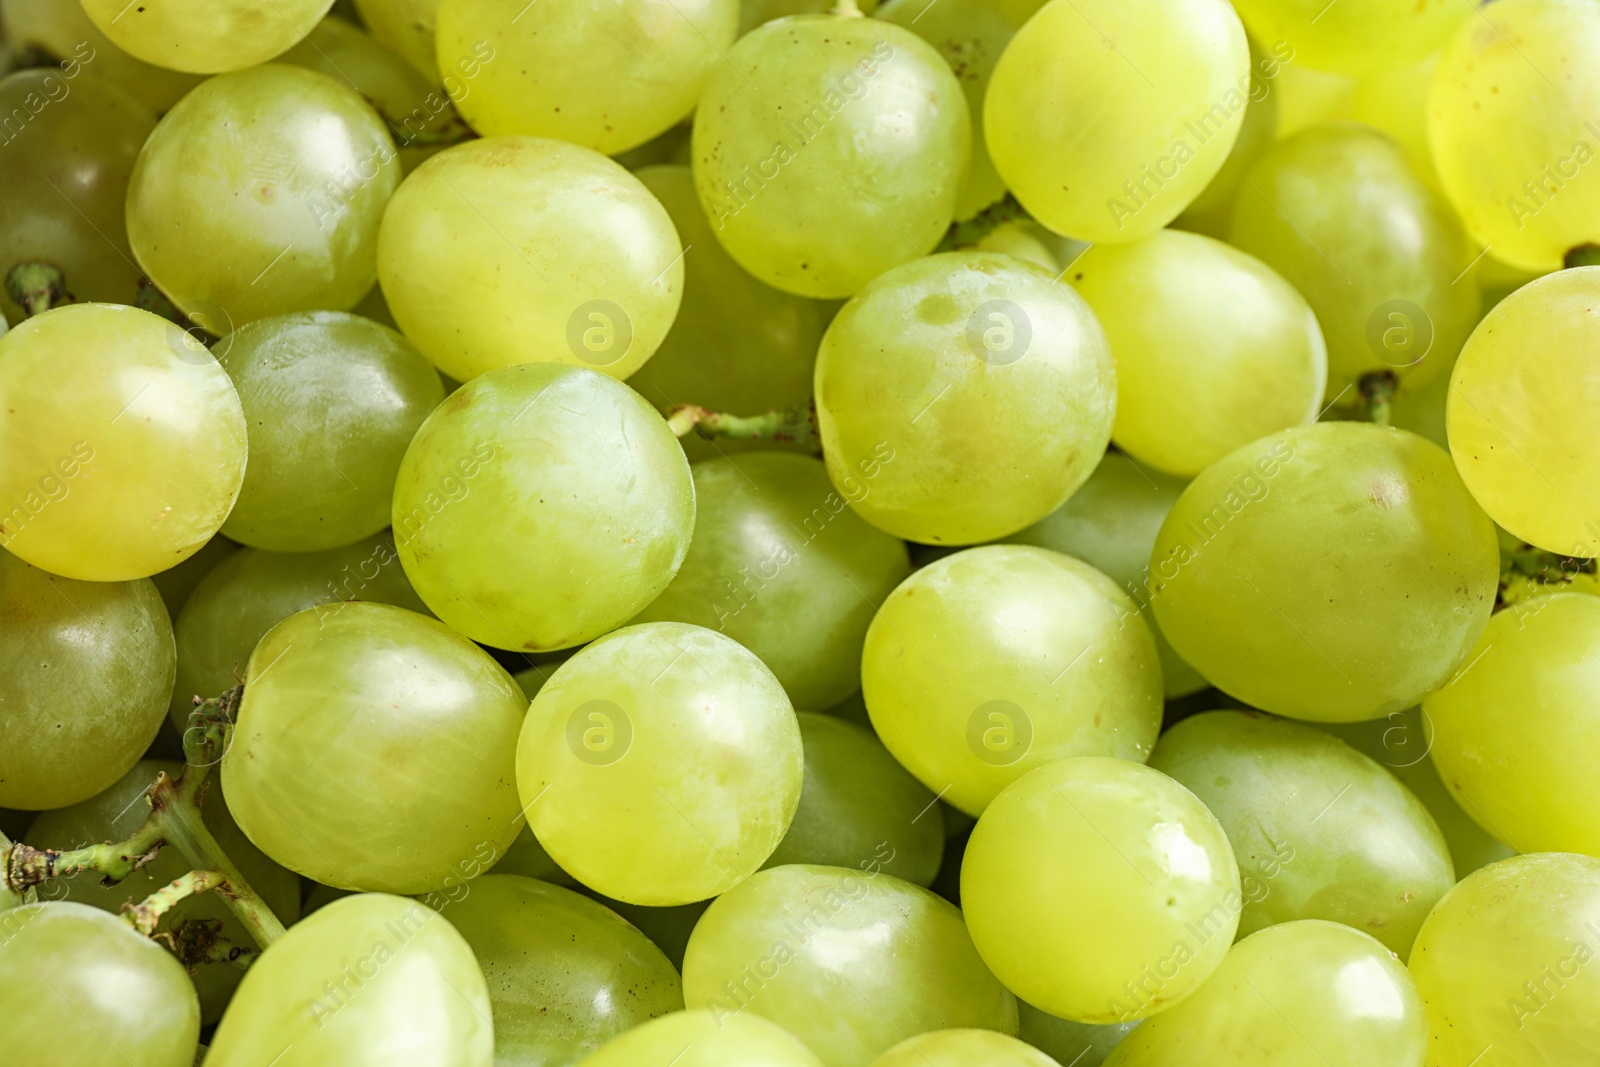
(1377,391)
(1585,255)
(797,424)
(36,287)
(847,9)
(146,915)
(969,232)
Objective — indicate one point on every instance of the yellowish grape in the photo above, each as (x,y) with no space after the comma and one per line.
(700,1039)
(205,36)
(62,28)
(963,1048)
(406,27)
(1355,37)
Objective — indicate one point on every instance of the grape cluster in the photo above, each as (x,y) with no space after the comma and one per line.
(800,533)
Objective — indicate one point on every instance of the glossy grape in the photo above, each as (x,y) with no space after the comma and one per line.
(541,506)
(661,765)
(850,962)
(963,1048)
(259,194)
(374,750)
(702,1039)
(792,162)
(205,36)
(1079,1044)
(61,28)
(1333,572)
(1111,143)
(962,397)
(1100,890)
(122,443)
(781,564)
(331,401)
(406,27)
(1355,38)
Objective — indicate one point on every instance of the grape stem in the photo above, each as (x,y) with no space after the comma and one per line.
(969,232)
(797,424)
(847,9)
(174,820)
(197,941)
(1586,255)
(36,287)
(1377,391)
(146,915)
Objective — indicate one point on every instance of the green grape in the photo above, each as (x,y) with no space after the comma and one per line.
(334,399)
(1100,890)
(1332,572)
(1320,831)
(205,36)
(1093,146)
(1022,240)
(62,29)
(65,168)
(1308,97)
(252,591)
(565,974)
(1503,964)
(1214,349)
(1077,1044)
(1343,215)
(367,981)
(963,1048)
(828,149)
(548,534)
(702,1039)
(605,76)
(1209,212)
(781,564)
(113,816)
(526,857)
(859,808)
(962,397)
(994,661)
(712,778)
(1111,524)
(374,750)
(1300,994)
(122,443)
(1526,778)
(737,345)
(1514,122)
(1401,742)
(85,668)
(177,584)
(518,249)
(1396,102)
(1520,410)
(260,193)
(75,978)
(1355,37)
(406,28)
(669,928)
(850,962)
(971,35)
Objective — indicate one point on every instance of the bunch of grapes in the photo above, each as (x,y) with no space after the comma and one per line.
(800,533)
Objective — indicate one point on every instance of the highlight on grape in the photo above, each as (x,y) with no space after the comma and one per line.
(799,533)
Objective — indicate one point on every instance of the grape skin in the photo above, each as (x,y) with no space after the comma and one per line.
(1356,37)
(701,1039)
(1079,1044)
(963,1048)
(63,28)
(406,27)
(206,36)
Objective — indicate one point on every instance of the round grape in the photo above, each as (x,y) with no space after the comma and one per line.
(205,36)
(704,1039)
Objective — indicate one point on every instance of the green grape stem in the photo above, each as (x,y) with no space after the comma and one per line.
(36,287)
(797,424)
(146,915)
(847,9)
(1377,391)
(968,232)
(1586,255)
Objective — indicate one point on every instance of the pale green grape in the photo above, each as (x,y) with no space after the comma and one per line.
(85,668)
(122,443)
(850,962)
(703,1039)
(62,29)
(828,149)
(1308,97)
(1332,572)
(971,35)
(660,765)
(1505,963)
(333,400)
(737,345)
(1111,143)
(859,808)
(177,584)
(541,506)
(205,36)
(252,591)
(994,661)
(374,750)
(1023,240)
(518,249)
(367,981)
(1213,348)
(65,170)
(1345,217)
(963,1048)
(1320,831)
(1355,37)
(260,193)
(606,76)
(1514,124)
(1396,102)
(1301,994)
(1100,890)
(114,815)
(565,974)
(781,564)
(406,27)
(1111,524)
(1527,778)
(1521,407)
(1075,1044)
(1208,212)
(79,986)
(962,397)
